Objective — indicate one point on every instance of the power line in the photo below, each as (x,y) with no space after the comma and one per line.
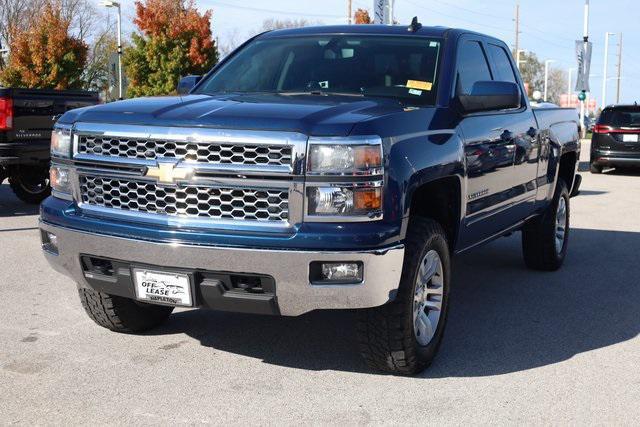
(454,17)
(282,12)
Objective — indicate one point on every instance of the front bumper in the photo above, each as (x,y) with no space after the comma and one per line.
(294,294)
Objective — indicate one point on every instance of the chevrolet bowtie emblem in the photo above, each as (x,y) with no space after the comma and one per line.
(167,172)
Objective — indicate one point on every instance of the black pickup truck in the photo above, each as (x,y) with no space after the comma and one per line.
(26,119)
(335,167)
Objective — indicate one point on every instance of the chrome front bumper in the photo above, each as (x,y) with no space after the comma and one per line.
(295,295)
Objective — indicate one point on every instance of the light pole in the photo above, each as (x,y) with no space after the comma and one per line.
(546,77)
(604,74)
(518,62)
(111,3)
(585,39)
(569,91)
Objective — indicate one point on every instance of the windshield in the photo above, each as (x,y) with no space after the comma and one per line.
(396,67)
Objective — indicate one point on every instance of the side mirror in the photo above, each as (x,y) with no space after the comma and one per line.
(491,95)
(187,83)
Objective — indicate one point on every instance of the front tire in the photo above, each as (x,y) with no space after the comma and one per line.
(545,238)
(30,184)
(403,337)
(122,314)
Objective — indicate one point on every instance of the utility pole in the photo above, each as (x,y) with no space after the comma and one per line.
(585,38)
(619,69)
(603,101)
(349,11)
(517,27)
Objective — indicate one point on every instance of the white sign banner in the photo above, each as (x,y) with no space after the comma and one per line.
(379,11)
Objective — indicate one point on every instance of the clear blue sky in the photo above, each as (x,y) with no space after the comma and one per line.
(549,27)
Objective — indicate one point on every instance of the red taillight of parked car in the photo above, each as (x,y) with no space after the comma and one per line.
(608,129)
(601,129)
(6,113)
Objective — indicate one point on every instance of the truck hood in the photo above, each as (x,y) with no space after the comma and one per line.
(319,115)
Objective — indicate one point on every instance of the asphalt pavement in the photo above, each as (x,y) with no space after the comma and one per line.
(520,346)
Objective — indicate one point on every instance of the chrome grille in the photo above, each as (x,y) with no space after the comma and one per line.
(193,201)
(201,152)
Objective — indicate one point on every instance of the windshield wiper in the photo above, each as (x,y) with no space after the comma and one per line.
(320,93)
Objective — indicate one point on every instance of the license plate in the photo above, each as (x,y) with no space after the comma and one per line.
(161,287)
(630,137)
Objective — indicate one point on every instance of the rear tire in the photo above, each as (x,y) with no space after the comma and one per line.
(30,184)
(595,168)
(545,238)
(122,314)
(403,337)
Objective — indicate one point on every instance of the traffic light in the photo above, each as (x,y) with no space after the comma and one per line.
(582,96)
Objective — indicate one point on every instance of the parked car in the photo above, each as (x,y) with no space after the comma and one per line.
(616,138)
(588,123)
(314,168)
(26,120)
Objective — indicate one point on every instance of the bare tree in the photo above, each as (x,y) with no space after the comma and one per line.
(14,15)
(84,17)
(532,71)
(278,24)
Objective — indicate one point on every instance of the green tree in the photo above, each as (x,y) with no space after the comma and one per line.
(174,40)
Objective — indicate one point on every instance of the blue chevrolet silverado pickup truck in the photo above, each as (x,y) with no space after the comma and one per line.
(335,167)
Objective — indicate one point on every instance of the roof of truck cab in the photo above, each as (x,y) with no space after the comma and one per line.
(367,29)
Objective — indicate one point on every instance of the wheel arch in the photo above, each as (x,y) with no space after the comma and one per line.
(441,200)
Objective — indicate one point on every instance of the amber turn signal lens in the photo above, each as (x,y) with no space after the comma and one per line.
(367,157)
(367,199)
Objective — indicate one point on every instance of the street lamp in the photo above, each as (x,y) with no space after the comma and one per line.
(518,62)
(111,3)
(546,77)
(569,90)
(604,74)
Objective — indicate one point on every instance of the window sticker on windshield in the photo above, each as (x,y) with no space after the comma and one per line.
(419,84)
(415,92)
(433,44)
(324,84)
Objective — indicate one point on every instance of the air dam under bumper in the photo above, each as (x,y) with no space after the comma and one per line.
(295,295)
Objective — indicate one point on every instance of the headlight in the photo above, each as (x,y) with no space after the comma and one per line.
(60,181)
(345,201)
(61,143)
(345,156)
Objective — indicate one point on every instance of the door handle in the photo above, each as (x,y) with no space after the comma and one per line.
(532,132)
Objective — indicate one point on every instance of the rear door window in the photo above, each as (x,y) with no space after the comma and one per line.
(503,71)
(620,117)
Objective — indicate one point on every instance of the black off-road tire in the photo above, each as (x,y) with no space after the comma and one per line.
(122,314)
(30,184)
(539,235)
(595,168)
(386,333)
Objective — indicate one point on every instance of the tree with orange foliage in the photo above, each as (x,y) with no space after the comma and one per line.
(43,54)
(362,16)
(174,41)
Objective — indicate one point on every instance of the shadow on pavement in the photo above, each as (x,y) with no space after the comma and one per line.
(504,318)
(592,192)
(10,205)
